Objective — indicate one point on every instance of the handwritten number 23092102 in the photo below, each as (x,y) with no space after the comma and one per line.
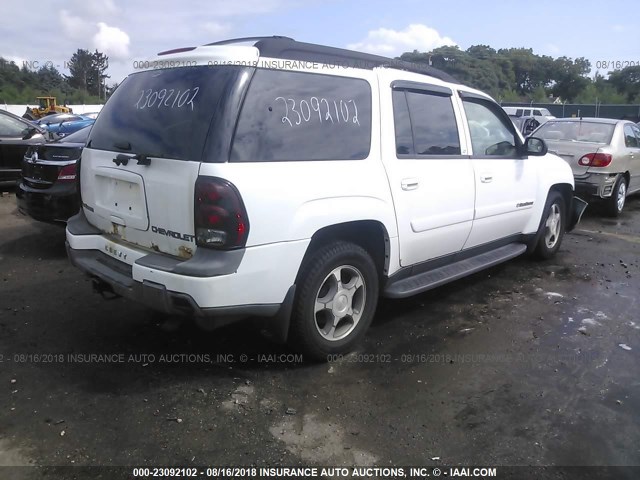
(163,98)
(335,111)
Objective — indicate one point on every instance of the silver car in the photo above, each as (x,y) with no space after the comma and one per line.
(604,155)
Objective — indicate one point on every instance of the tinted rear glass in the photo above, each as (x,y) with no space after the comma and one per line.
(592,132)
(290,116)
(163,113)
(434,124)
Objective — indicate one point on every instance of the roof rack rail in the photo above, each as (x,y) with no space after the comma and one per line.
(286,48)
(231,41)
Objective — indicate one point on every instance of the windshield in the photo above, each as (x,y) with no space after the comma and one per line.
(578,131)
(163,113)
(57,118)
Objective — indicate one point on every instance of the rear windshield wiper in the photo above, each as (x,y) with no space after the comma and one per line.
(122,159)
(122,145)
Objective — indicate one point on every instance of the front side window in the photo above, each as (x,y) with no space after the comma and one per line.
(294,116)
(490,134)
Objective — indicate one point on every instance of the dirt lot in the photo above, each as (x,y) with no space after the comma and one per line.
(525,364)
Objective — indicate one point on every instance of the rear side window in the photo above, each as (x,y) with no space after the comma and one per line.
(294,116)
(630,139)
(425,124)
(164,113)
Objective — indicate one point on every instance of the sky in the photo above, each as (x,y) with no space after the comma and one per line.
(49,32)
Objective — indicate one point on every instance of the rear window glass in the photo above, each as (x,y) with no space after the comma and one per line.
(163,113)
(591,132)
(289,116)
(434,124)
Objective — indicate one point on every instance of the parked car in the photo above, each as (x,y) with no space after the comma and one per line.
(298,182)
(16,134)
(61,125)
(525,125)
(542,114)
(48,189)
(604,155)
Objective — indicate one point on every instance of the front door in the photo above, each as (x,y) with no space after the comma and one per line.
(505,181)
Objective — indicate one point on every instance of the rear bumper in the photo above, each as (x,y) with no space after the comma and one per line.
(261,285)
(51,205)
(598,185)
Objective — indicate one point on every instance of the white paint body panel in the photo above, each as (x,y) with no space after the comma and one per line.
(288,202)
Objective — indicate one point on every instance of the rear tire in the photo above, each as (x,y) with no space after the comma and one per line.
(336,298)
(615,204)
(552,227)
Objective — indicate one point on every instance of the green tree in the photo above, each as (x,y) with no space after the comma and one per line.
(80,69)
(627,82)
(570,77)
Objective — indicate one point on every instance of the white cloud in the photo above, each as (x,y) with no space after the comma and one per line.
(96,8)
(111,41)
(216,29)
(552,48)
(75,27)
(386,41)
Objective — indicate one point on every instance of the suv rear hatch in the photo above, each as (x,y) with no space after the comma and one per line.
(143,155)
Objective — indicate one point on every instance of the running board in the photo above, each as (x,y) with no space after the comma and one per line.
(422,282)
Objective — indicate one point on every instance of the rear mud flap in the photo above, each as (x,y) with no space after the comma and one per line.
(578,208)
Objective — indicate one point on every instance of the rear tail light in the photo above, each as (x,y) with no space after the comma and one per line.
(596,160)
(68,173)
(221,220)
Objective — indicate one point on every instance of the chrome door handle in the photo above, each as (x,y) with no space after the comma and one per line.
(409,183)
(486,178)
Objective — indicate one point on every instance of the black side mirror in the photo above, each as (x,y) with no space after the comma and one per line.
(535,147)
(29,132)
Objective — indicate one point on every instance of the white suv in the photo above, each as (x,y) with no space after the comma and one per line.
(297,183)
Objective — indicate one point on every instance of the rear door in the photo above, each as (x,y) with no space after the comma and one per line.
(430,176)
(144,152)
(12,147)
(632,142)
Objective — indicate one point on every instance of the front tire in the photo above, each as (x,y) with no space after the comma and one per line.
(552,227)
(336,299)
(615,203)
